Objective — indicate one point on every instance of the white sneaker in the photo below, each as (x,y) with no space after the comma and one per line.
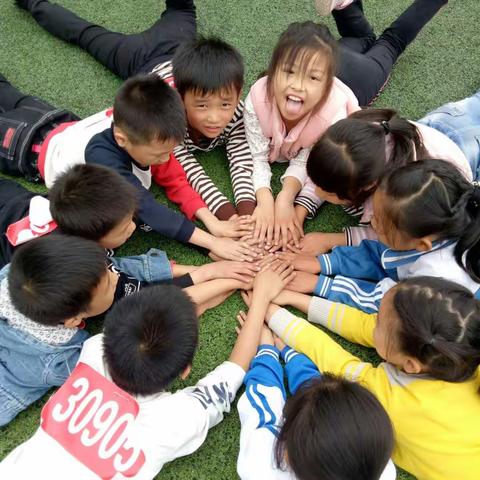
(324,7)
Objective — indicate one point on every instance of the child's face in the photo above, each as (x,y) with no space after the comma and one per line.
(385,337)
(103,294)
(330,197)
(209,114)
(119,234)
(298,88)
(385,230)
(154,153)
(102,299)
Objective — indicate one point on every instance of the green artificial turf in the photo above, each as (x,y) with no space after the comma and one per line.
(441,65)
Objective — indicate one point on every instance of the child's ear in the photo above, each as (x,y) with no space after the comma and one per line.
(424,244)
(120,136)
(74,321)
(412,365)
(186,373)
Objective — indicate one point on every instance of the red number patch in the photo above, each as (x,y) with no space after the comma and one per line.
(91,418)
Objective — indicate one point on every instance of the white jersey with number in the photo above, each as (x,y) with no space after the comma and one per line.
(92,429)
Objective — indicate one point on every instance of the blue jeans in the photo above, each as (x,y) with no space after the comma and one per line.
(153,266)
(460,121)
(4,271)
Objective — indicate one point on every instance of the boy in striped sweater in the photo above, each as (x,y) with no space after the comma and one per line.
(208,74)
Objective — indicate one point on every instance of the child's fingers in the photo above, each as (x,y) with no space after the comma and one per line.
(276,233)
(290,276)
(295,235)
(245,297)
(294,249)
(241,317)
(284,269)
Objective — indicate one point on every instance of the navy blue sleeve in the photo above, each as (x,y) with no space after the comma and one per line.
(103,150)
(299,369)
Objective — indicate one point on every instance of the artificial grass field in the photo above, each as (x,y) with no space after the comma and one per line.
(442,65)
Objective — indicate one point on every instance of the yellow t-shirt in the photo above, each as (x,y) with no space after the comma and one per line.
(437,423)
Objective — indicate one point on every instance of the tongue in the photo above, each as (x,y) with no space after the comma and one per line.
(292,107)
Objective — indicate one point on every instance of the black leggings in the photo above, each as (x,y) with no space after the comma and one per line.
(365,62)
(124,55)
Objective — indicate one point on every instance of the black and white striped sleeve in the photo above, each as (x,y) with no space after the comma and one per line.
(241,163)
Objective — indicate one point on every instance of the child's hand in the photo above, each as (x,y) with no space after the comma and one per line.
(286,222)
(279,343)
(229,249)
(270,281)
(264,223)
(318,243)
(247,297)
(235,227)
(241,319)
(242,271)
(303,282)
(302,263)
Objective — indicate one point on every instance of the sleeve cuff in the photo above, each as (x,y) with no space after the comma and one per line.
(318,311)
(246,207)
(326,263)
(280,320)
(186,231)
(192,207)
(323,286)
(266,349)
(288,353)
(225,211)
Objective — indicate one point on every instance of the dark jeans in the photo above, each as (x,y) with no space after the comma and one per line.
(25,121)
(124,55)
(365,61)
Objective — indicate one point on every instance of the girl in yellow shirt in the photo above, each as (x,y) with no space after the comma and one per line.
(428,332)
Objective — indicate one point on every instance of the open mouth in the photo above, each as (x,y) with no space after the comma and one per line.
(293,105)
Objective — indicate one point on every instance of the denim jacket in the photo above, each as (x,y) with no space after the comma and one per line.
(29,368)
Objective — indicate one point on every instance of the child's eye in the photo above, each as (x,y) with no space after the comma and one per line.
(315,79)
(226,105)
(201,105)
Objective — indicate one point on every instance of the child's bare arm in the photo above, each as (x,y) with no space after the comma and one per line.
(267,285)
(179,270)
(205,291)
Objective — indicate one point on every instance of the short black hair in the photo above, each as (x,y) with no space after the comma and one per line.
(327,417)
(150,339)
(147,109)
(207,65)
(51,279)
(90,200)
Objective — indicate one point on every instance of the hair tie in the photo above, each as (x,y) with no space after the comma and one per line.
(386,127)
(432,341)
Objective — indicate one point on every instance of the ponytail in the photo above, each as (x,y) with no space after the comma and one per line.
(354,153)
(439,324)
(432,197)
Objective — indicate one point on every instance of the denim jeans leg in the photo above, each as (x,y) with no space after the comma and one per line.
(153,266)
(460,121)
